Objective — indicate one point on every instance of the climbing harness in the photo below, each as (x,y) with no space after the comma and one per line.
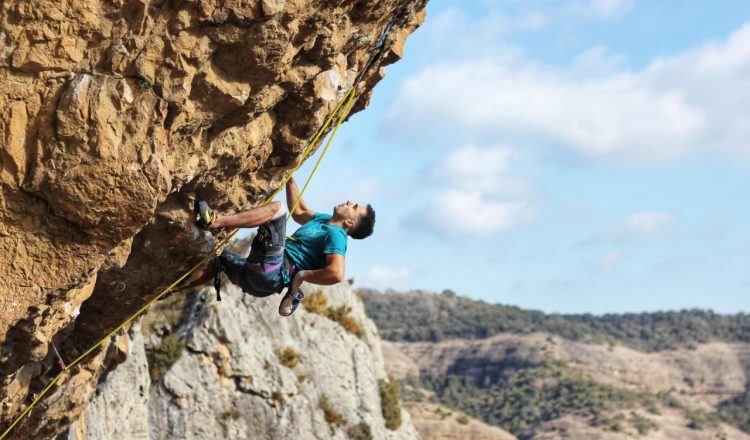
(345,104)
(218,269)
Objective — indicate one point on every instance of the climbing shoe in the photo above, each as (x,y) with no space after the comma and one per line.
(290,302)
(204,215)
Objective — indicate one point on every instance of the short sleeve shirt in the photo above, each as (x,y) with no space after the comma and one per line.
(308,246)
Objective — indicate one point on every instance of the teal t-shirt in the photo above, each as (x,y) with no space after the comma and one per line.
(308,246)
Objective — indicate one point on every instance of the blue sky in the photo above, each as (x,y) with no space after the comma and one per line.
(568,156)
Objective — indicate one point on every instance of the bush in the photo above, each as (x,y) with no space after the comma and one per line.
(333,417)
(143,84)
(699,420)
(164,356)
(463,419)
(316,302)
(642,424)
(390,405)
(341,315)
(532,395)
(735,411)
(360,432)
(288,357)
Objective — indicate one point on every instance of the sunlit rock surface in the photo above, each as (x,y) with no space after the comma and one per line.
(114,116)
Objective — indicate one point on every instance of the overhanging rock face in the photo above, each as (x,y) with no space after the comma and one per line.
(114,115)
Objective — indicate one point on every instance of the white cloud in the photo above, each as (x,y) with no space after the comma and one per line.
(328,191)
(596,61)
(474,194)
(676,106)
(601,8)
(471,213)
(381,277)
(471,168)
(648,222)
(634,228)
(487,33)
(611,260)
(365,188)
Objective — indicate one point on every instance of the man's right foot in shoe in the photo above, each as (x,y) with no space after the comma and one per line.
(204,215)
(290,302)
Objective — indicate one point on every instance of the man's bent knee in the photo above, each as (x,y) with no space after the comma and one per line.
(280,210)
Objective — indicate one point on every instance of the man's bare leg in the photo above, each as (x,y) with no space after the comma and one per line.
(198,277)
(250,218)
(245,219)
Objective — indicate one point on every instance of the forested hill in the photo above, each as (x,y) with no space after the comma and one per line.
(423,316)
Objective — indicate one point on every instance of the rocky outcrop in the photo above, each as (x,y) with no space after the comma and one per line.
(119,407)
(230,381)
(113,117)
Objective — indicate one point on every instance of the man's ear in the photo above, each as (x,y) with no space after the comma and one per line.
(349,223)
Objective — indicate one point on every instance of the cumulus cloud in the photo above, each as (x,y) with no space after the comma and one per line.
(381,277)
(475,195)
(633,228)
(472,168)
(596,61)
(360,188)
(474,213)
(674,107)
(484,35)
(648,222)
(601,8)
(611,260)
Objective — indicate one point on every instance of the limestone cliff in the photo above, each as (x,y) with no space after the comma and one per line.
(114,115)
(231,380)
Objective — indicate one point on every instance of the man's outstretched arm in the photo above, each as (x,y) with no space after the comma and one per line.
(331,274)
(302,214)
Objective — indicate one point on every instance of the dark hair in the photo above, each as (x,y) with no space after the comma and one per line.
(365,225)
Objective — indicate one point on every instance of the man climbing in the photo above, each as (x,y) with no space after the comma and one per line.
(315,253)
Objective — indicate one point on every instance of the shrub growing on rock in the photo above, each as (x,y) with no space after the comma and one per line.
(341,315)
(164,356)
(390,405)
(288,357)
(333,417)
(360,432)
(316,302)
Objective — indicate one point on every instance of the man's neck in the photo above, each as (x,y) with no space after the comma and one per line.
(336,222)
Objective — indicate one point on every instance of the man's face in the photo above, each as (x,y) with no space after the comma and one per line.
(350,211)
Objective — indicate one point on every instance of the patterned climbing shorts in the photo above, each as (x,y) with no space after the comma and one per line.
(261,273)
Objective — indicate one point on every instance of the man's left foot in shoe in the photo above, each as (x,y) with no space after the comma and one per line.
(290,302)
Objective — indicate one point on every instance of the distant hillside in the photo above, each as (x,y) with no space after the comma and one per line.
(422,316)
(663,375)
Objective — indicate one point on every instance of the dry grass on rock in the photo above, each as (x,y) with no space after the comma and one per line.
(317,303)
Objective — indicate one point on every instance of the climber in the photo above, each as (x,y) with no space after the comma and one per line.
(314,253)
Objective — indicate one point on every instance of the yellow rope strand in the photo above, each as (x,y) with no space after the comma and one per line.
(322,155)
(347,100)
